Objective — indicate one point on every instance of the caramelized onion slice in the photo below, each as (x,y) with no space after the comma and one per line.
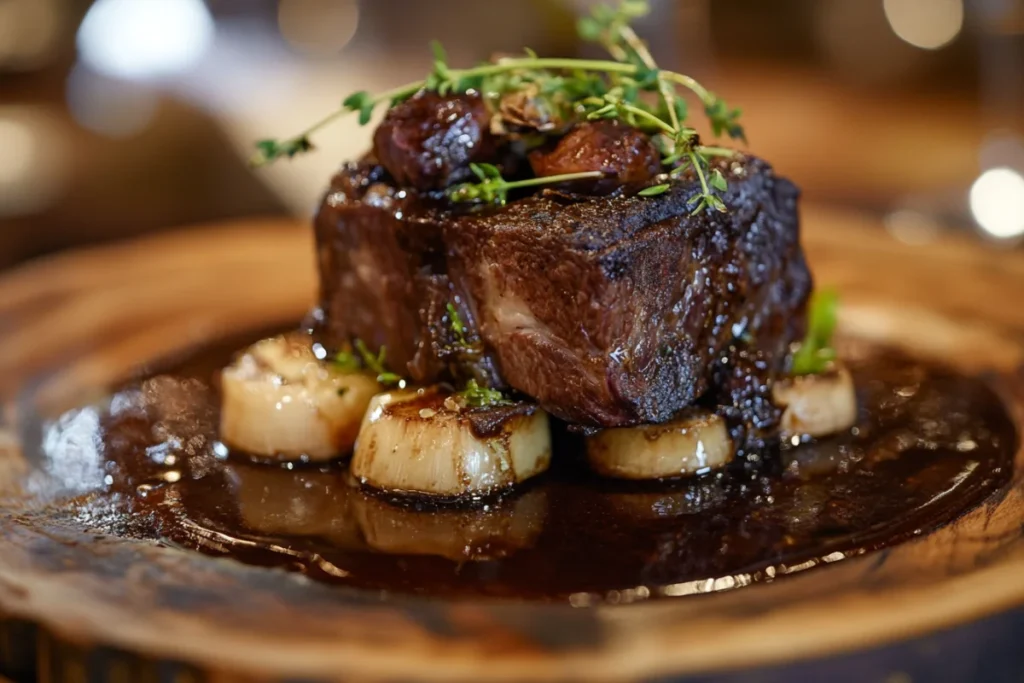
(816,405)
(423,443)
(692,444)
(280,401)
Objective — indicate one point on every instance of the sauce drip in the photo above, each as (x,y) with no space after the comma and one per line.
(930,444)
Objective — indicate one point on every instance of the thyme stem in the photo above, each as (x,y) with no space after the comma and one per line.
(553,179)
(668,93)
(648,116)
(502,66)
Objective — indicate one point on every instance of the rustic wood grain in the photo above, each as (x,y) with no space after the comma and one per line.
(73,324)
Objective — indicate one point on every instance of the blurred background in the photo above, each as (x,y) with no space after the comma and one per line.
(124,117)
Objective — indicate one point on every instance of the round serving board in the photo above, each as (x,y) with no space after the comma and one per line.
(76,606)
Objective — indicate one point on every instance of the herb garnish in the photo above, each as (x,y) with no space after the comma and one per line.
(476,396)
(458,327)
(493,189)
(348,362)
(567,89)
(815,353)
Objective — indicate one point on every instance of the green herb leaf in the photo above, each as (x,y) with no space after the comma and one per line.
(440,55)
(654,191)
(365,114)
(590,29)
(477,396)
(389,379)
(455,320)
(634,9)
(718,181)
(815,353)
(357,101)
(490,171)
(348,362)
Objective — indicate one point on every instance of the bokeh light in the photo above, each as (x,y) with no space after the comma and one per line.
(109,106)
(32,168)
(927,24)
(318,28)
(145,39)
(997,202)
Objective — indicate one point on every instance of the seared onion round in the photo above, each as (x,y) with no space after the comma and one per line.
(426,443)
(816,405)
(280,401)
(692,444)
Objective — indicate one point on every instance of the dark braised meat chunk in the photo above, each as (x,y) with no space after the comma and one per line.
(384,279)
(624,154)
(610,311)
(428,141)
(618,310)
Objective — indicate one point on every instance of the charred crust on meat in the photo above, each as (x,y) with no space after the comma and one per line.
(609,310)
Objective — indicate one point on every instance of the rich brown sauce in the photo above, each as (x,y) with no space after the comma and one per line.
(930,445)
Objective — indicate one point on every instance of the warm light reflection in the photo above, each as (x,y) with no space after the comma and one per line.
(19,146)
(911,227)
(136,39)
(318,27)
(31,160)
(109,106)
(927,24)
(997,202)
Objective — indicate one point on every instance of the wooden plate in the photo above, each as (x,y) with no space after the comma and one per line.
(80,606)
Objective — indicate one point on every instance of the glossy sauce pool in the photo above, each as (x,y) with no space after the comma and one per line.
(930,444)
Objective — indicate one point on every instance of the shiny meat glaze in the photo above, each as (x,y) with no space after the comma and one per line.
(608,310)
(625,155)
(428,141)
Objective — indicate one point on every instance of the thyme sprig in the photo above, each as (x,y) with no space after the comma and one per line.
(494,189)
(564,87)
(347,361)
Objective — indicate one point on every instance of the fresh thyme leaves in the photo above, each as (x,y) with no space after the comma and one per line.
(717,180)
(547,92)
(347,361)
(493,189)
(476,396)
(655,190)
(815,353)
(269,150)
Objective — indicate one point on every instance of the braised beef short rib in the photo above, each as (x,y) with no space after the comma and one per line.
(608,310)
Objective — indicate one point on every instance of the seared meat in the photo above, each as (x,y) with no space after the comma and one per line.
(623,153)
(428,141)
(618,311)
(384,278)
(609,311)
